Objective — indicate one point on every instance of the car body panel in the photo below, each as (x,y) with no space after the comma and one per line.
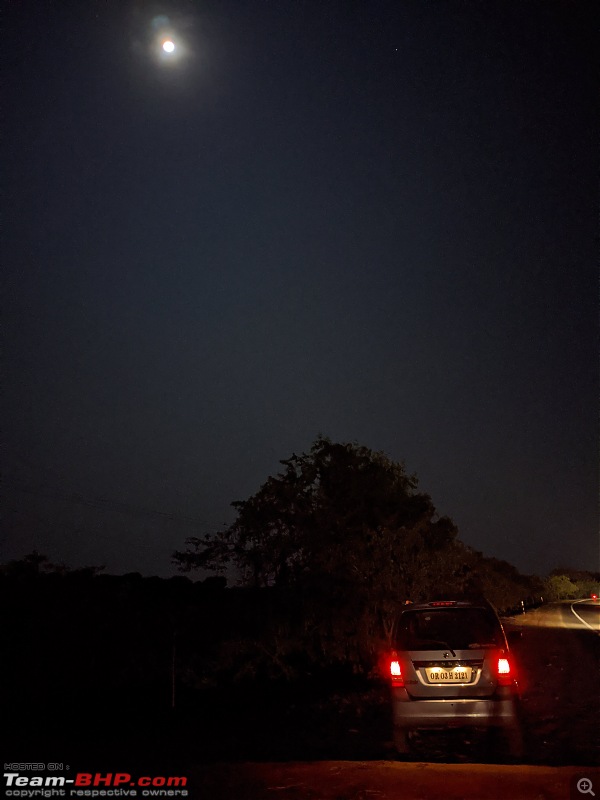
(452,712)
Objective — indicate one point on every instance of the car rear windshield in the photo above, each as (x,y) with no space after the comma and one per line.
(456,628)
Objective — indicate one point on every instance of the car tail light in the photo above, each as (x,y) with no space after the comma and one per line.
(396,673)
(443,603)
(506,673)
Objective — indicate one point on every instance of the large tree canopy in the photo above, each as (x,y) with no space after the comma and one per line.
(341,512)
(337,540)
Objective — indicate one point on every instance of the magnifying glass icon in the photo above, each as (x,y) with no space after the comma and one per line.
(585,786)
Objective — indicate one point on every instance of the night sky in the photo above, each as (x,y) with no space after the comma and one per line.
(371,220)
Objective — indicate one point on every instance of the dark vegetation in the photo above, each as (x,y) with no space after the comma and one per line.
(284,664)
(345,533)
(172,671)
(97,664)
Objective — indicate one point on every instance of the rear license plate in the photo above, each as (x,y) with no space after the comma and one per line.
(454,675)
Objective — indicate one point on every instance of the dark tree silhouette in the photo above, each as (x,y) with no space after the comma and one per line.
(344,529)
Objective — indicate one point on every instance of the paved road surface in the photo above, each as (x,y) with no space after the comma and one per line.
(560,658)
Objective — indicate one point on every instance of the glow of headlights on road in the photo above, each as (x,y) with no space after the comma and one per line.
(554,618)
(572,626)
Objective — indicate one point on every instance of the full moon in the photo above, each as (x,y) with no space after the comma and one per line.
(168,46)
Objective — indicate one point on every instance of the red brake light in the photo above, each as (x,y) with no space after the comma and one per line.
(594,597)
(396,673)
(443,603)
(505,672)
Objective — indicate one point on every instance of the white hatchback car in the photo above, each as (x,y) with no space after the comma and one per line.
(452,668)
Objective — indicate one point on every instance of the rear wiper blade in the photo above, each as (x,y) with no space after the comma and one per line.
(447,646)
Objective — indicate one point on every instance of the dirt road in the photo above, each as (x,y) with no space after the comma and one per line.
(386,780)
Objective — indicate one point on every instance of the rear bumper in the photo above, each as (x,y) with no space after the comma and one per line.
(411,714)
